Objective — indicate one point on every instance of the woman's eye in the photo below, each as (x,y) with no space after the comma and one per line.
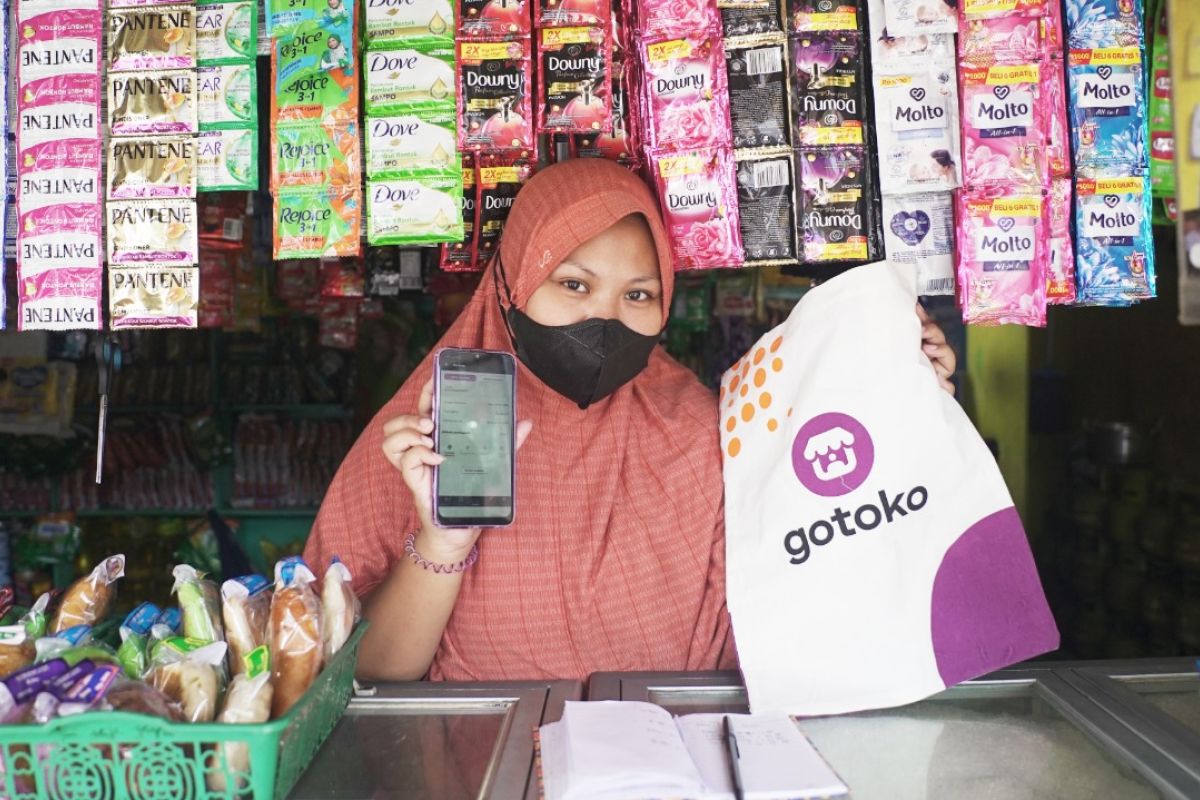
(574,286)
(639,296)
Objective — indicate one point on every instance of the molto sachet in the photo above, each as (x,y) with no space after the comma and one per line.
(227,94)
(153,37)
(403,144)
(315,75)
(226,32)
(58,39)
(153,297)
(410,21)
(59,107)
(152,102)
(315,155)
(425,209)
(160,232)
(59,236)
(63,172)
(157,167)
(227,160)
(410,80)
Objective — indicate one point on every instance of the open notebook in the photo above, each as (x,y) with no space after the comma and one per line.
(624,750)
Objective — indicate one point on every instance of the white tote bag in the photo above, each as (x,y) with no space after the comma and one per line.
(874,553)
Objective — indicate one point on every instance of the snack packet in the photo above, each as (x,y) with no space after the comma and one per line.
(135,639)
(339,608)
(1060,274)
(402,144)
(313,222)
(246,609)
(758,87)
(918,229)
(422,209)
(494,107)
(835,205)
(159,232)
(1003,127)
(829,90)
(699,198)
(1002,259)
(189,672)
(154,37)
(89,598)
(1113,237)
(227,160)
(493,20)
(663,19)
(410,80)
(226,32)
(685,93)
(1108,108)
(295,634)
(574,80)
(200,603)
(152,102)
(916,130)
(392,21)
(766,209)
(227,94)
(248,701)
(141,168)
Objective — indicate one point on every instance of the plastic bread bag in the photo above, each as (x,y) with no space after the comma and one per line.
(133,653)
(49,647)
(23,685)
(87,692)
(339,608)
(200,603)
(168,624)
(189,672)
(295,634)
(246,609)
(17,648)
(142,698)
(248,701)
(89,598)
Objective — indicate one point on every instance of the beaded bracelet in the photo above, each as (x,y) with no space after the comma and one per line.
(410,547)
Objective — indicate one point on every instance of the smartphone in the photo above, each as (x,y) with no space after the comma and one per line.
(474,414)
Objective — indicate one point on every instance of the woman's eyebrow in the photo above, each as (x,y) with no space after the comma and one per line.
(647,279)
(579,267)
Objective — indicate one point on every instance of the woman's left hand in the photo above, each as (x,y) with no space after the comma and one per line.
(937,350)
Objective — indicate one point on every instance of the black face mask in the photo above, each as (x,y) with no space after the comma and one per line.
(584,362)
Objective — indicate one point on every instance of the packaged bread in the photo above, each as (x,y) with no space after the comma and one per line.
(189,672)
(200,604)
(17,642)
(247,701)
(134,651)
(246,610)
(142,698)
(89,598)
(339,608)
(295,634)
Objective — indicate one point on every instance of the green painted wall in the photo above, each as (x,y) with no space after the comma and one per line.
(998,399)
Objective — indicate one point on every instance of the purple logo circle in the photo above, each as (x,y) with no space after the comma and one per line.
(832,454)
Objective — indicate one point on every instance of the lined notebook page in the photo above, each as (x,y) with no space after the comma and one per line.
(778,761)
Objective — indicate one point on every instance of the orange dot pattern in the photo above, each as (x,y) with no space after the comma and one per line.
(739,386)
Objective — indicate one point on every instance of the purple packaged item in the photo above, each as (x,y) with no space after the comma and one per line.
(835,206)
(829,91)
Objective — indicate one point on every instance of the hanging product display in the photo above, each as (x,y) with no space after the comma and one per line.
(5,127)
(59,164)
(574,80)
(494,105)
(227,94)
(316,162)
(1162,135)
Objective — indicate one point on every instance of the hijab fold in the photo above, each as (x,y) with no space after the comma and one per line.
(615,560)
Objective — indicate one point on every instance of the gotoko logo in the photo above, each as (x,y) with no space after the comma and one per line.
(832,455)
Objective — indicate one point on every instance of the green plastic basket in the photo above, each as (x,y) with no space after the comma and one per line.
(119,755)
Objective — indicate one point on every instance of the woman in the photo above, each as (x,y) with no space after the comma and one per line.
(616,558)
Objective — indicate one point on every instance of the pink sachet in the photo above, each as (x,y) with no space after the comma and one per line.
(1004,123)
(698,194)
(59,236)
(980,9)
(669,19)
(686,94)
(1060,276)
(59,107)
(1058,132)
(60,299)
(61,172)
(1002,256)
(1004,40)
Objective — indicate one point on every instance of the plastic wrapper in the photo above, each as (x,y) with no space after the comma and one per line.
(758,94)
(1104,23)
(574,80)
(1004,126)
(621,143)
(134,650)
(402,21)
(59,107)
(295,634)
(1108,106)
(421,209)
(672,19)
(227,160)
(987,9)
(829,90)
(23,685)
(152,37)
(142,698)
(160,232)
(494,104)
(162,167)
(189,673)
(1113,238)
(248,701)
(1006,40)
(1002,255)
(500,177)
(751,19)
(766,209)
(698,192)
(226,94)
(894,52)
(200,603)
(227,32)
(1060,275)
(921,17)
(401,144)
(246,609)
(1162,119)
(460,255)
(1058,132)
(573,13)
(918,229)
(314,68)
(152,102)
(835,205)
(686,95)
(89,598)
(56,644)
(315,155)
(917,131)
(169,623)
(153,297)
(64,40)
(314,222)
(339,608)
(414,79)
(493,19)
(807,16)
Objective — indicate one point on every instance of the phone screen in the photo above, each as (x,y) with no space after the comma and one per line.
(475,435)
